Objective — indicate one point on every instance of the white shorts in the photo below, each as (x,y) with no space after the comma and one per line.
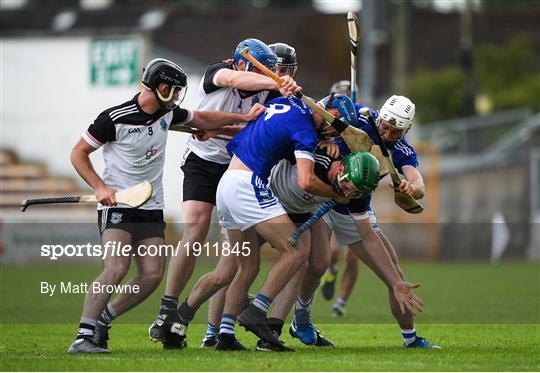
(344,227)
(244,200)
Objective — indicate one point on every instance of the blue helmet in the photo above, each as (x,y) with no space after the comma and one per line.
(257,49)
(347,111)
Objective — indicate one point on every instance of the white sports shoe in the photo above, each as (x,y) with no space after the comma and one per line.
(86,346)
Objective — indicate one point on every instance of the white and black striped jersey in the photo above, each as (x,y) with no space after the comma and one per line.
(211,97)
(134,146)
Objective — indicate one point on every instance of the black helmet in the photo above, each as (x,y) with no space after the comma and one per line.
(286,58)
(159,71)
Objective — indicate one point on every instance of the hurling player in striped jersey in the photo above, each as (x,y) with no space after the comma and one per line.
(133,136)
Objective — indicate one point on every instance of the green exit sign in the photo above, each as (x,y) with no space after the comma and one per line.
(114,62)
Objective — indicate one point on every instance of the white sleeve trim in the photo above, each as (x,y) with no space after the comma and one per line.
(304,154)
(214,79)
(191,115)
(361,216)
(91,140)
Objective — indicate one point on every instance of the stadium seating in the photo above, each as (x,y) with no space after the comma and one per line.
(23,180)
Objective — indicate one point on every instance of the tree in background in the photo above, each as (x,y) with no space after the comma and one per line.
(508,75)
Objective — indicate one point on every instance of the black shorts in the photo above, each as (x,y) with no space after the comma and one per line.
(299,219)
(201,178)
(140,223)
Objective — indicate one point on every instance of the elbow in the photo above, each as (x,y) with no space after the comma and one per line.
(77,156)
(73,156)
(304,183)
(227,80)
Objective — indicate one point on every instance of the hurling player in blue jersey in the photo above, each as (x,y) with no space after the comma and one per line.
(247,207)
(394,120)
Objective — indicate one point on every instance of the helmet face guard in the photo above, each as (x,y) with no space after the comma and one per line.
(260,51)
(162,71)
(174,98)
(286,59)
(284,69)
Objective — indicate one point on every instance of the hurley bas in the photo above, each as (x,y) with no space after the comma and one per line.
(84,287)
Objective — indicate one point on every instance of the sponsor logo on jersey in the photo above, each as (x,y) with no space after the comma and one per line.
(116,217)
(134,130)
(163,124)
(301,108)
(150,152)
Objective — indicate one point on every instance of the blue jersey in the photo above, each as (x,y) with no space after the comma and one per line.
(401,152)
(284,130)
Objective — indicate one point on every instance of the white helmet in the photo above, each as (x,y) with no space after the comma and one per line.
(398,112)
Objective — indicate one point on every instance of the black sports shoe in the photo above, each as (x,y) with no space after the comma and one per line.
(228,342)
(268,347)
(159,328)
(329,284)
(101,335)
(321,341)
(209,342)
(255,321)
(174,341)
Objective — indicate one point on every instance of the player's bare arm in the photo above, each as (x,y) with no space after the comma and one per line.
(402,290)
(310,183)
(80,158)
(413,184)
(203,135)
(211,120)
(244,80)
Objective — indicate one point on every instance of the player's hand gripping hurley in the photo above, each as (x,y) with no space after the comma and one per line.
(135,196)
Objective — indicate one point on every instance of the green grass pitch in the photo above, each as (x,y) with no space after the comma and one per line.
(486,318)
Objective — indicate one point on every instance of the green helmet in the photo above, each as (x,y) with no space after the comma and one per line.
(362,170)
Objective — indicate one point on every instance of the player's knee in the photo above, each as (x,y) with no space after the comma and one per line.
(152,279)
(117,272)
(318,265)
(300,256)
(249,271)
(222,278)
